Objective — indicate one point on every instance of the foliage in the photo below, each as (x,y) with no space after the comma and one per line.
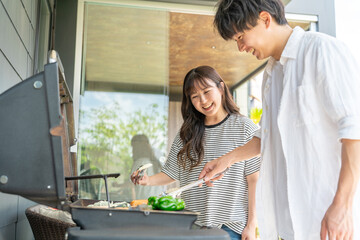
(106,137)
(255,115)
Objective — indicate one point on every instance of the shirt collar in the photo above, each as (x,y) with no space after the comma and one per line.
(269,66)
(290,50)
(292,45)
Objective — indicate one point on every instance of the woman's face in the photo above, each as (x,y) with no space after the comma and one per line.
(208,99)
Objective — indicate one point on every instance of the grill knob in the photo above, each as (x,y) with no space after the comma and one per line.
(3,179)
(38,84)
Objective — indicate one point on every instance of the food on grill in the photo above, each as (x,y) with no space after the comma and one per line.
(153,201)
(166,203)
(138,202)
(180,204)
(112,204)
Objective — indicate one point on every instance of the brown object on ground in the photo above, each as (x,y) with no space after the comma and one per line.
(44,227)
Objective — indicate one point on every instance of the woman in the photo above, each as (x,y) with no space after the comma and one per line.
(212,127)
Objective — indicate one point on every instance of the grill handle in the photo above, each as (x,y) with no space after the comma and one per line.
(104,176)
(114,175)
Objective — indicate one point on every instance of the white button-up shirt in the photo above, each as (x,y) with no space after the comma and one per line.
(319,104)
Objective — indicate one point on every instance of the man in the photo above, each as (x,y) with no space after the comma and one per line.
(310,127)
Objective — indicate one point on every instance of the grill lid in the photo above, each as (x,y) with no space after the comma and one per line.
(31,147)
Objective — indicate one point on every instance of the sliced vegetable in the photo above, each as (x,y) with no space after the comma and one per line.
(137,202)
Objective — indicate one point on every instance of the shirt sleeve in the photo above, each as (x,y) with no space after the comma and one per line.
(251,129)
(171,167)
(252,165)
(339,83)
(258,133)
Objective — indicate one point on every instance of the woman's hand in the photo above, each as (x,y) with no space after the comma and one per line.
(249,232)
(158,179)
(141,180)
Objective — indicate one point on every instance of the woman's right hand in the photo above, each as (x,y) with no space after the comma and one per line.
(158,179)
(141,180)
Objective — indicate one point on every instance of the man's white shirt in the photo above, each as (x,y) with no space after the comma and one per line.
(305,115)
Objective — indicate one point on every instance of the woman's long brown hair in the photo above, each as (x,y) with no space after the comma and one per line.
(193,128)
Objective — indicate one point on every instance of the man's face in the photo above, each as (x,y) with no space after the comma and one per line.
(254,41)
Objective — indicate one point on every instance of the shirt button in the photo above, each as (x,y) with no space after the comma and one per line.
(265,130)
(267,107)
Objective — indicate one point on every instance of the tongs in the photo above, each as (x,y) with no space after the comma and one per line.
(177,192)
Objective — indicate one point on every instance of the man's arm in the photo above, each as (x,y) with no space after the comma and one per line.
(242,153)
(338,221)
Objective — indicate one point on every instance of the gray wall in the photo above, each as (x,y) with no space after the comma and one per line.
(17,48)
(324,9)
(65,33)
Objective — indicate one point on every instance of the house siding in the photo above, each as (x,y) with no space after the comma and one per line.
(17,50)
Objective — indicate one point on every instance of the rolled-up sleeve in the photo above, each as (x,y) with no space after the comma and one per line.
(339,82)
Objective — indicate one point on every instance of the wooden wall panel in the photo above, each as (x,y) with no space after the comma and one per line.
(195,42)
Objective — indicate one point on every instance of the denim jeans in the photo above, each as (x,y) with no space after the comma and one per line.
(233,235)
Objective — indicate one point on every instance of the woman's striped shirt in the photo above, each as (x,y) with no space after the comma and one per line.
(227,201)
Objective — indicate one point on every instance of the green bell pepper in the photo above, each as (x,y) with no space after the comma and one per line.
(180,204)
(153,201)
(166,203)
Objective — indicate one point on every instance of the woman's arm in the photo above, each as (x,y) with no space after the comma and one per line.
(154,180)
(249,232)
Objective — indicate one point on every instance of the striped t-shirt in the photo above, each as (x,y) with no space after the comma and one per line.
(227,201)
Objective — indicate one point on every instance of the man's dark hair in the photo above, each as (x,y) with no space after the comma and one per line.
(233,16)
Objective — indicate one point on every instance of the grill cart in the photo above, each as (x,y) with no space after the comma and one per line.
(36,134)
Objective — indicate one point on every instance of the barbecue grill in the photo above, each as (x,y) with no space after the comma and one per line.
(36,135)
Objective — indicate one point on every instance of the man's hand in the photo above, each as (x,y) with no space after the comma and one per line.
(337,223)
(249,232)
(212,168)
(241,153)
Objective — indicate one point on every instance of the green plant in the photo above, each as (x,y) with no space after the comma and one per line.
(105,139)
(255,115)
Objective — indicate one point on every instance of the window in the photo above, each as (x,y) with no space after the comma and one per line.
(135,55)
(124,102)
